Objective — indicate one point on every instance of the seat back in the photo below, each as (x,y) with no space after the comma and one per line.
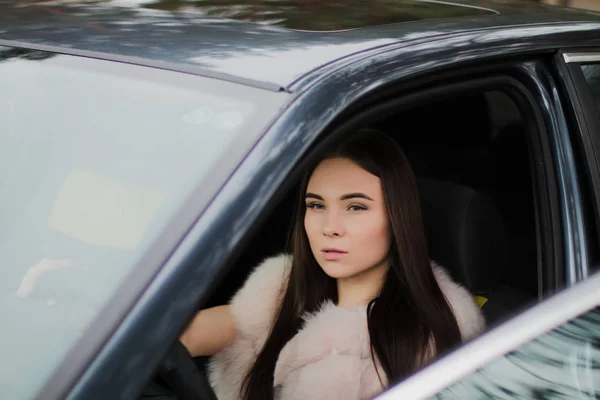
(465,233)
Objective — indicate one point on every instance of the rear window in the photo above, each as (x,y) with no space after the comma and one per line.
(324,15)
(95,159)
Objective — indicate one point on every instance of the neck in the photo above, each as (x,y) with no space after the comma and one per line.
(360,289)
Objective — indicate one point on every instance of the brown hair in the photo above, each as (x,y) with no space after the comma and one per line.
(410,319)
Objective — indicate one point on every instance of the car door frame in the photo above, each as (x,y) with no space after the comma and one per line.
(585,128)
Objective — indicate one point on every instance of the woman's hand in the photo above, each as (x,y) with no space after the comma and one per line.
(210,331)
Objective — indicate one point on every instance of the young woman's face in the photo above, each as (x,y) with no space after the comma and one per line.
(346,220)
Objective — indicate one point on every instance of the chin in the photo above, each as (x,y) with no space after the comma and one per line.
(336,269)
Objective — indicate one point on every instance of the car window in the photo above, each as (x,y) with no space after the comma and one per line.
(592,76)
(324,15)
(561,364)
(95,159)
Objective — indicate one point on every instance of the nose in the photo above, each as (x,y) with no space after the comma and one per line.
(333,226)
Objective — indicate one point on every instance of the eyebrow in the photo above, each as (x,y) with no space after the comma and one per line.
(344,197)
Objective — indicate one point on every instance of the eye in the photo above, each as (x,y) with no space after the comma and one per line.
(315,206)
(357,207)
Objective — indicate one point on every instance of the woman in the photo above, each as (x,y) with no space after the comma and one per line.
(356,306)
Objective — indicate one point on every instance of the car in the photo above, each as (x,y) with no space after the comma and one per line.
(150,152)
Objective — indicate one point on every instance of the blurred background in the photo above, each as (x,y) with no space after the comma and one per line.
(220,8)
(218,4)
(588,4)
(179,4)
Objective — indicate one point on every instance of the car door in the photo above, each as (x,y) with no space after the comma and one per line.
(548,352)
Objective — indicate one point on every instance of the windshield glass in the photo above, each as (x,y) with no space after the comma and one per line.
(95,159)
(322,15)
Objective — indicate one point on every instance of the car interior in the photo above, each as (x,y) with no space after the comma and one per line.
(473,167)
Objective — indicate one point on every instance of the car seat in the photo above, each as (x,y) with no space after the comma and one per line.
(465,234)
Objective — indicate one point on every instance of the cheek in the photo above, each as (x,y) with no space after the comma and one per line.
(374,233)
(310,226)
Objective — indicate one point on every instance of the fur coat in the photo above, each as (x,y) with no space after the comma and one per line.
(330,357)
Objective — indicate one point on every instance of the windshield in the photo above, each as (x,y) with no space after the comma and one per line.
(322,15)
(95,159)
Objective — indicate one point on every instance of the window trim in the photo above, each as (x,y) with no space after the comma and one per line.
(541,81)
(478,353)
(587,57)
(585,114)
(144,62)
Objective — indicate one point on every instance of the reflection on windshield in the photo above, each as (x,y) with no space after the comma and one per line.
(321,15)
(7,53)
(98,210)
(312,15)
(95,159)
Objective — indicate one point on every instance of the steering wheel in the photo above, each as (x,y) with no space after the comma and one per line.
(178,378)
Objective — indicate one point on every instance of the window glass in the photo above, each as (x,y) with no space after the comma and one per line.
(95,159)
(592,76)
(562,364)
(324,15)
(591,72)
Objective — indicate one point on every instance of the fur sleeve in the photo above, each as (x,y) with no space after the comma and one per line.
(468,315)
(253,308)
(255,304)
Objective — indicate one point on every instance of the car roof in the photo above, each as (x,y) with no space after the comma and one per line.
(270,55)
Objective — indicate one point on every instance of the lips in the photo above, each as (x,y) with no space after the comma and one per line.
(333,254)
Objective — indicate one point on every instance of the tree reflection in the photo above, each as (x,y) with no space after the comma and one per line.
(320,15)
(7,53)
(164,29)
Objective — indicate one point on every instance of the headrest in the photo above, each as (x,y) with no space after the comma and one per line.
(464,233)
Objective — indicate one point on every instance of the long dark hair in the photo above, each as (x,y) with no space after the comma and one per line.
(410,320)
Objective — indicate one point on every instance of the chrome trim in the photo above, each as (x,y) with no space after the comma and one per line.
(532,323)
(576,255)
(581,57)
(144,62)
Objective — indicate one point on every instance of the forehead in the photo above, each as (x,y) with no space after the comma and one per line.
(341,176)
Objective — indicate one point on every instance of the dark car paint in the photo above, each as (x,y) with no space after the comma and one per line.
(464,46)
(575,265)
(266,56)
(121,356)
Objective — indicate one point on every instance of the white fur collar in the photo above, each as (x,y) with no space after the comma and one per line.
(330,357)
